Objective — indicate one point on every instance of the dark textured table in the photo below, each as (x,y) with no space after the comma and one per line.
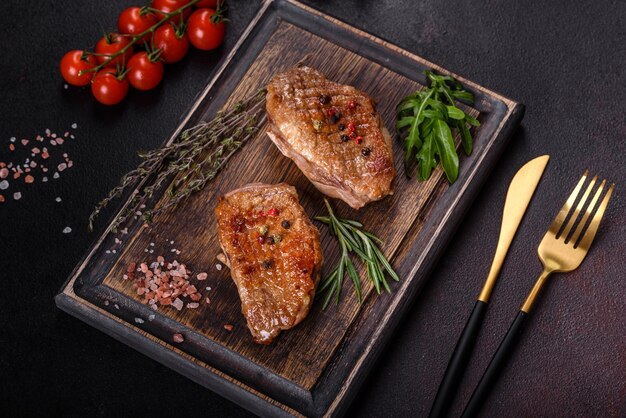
(565,60)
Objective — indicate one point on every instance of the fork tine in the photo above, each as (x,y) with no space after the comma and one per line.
(560,218)
(588,212)
(590,234)
(579,207)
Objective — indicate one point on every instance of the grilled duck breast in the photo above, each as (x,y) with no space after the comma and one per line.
(273,251)
(333,134)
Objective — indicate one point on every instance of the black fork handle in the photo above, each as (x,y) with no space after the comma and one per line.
(499,360)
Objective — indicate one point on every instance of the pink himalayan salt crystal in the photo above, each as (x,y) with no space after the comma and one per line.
(178,304)
(62,166)
(178,338)
(201,276)
(4,173)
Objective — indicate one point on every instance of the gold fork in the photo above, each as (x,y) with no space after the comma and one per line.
(560,251)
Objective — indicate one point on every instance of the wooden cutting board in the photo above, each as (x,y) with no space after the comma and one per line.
(316,368)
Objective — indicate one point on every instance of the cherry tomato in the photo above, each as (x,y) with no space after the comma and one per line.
(73,63)
(207,3)
(143,73)
(169,6)
(110,45)
(135,20)
(107,88)
(202,32)
(173,47)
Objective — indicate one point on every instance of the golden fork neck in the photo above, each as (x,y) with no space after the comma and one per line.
(530,300)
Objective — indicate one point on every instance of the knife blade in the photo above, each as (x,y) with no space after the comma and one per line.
(518,198)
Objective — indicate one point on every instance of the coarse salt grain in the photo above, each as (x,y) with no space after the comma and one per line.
(62,166)
(4,185)
(74,125)
(58,199)
(218,266)
(151,317)
(55,175)
(67,230)
(139,320)
(13,139)
(116,306)
(178,304)
(4,172)
(193,305)
(106,303)
(201,276)
(17,195)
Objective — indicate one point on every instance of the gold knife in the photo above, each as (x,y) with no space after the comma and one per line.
(518,197)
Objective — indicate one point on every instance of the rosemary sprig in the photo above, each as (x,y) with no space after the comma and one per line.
(352,238)
(189,162)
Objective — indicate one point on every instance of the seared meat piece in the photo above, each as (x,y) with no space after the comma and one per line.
(333,134)
(273,251)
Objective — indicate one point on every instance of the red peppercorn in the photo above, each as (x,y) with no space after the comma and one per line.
(331,111)
(351,105)
(273,212)
(261,239)
(351,127)
(358,139)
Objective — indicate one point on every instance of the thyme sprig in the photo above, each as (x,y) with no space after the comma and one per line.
(189,162)
(353,238)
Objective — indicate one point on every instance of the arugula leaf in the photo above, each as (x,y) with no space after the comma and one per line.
(446,150)
(426,119)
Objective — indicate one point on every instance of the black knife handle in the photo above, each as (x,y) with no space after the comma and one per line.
(458,362)
(495,367)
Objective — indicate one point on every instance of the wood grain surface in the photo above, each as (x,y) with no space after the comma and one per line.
(311,368)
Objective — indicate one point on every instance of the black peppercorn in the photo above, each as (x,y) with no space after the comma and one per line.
(366,151)
(267,264)
(269,240)
(345,138)
(341,126)
(333,119)
(285,224)
(324,99)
